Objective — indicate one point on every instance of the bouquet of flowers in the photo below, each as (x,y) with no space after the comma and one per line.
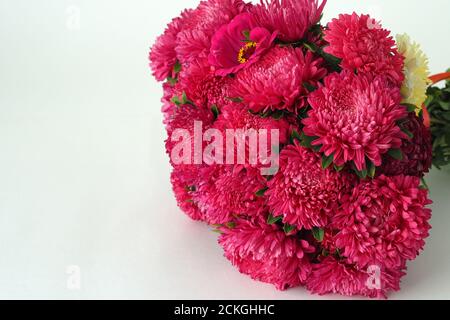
(304,145)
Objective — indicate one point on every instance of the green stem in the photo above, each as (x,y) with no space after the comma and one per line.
(434,120)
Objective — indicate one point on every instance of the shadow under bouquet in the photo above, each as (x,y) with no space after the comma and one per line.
(303,144)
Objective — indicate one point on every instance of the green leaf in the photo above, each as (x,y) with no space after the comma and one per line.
(310,46)
(288,228)
(246,34)
(277,115)
(327,161)
(364,173)
(446,117)
(316,29)
(306,141)
(371,169)
(231,225)
(447,138)
(176,100)
(215,111)
(410,107)
(260,193)
(318,234)
(408,133)
(235,99)
(361,174)
(172,81)
(424,184)
(332,61)
(428,101)
(339,168)
(309,87)
(440,130)
(177,67)
(445,105)
(264,114)
(316,148)
(295,135)
(184,98)
(272,220)
(396,154)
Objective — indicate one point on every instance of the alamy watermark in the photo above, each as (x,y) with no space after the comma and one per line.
(374,280)
(235,146)
(73,18)
(73,277)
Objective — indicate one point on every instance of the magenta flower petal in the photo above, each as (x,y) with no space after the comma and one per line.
(354,117)
(267,254)
(291,18)
(364,45)
(238,44)
(277,80)
(302,192)
(384,222)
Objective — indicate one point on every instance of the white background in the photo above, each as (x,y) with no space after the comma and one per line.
(84,179)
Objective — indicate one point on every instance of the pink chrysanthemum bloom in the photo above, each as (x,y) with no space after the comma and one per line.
(354,117)
(186,176)
(267,254)
(291,18)
(333,276)
(194,40)
(226,191)
(364,46)
(184,117)
(417,152)
(202,86)
(384,222)
(184,183)
(304,193)
(163,56)
(168,108)
(239,44)
(237,117)
(277,80)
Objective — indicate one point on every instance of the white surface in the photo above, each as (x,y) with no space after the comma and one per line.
(84,179)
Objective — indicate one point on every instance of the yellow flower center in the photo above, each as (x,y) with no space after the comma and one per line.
(246,52)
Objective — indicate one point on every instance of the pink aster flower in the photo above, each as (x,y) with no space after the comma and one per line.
(237,117)
(417,152)
(184,183)
(384,222)
(277,80)
(226,191)
(184,117)
(202,86)
(302,192)
(363,45)
(186,177)
(354,117)
(267,254)
(239,44)
(162,55)
(168,108)
(188,37)
(291,18)
(194,41)
(333,276)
